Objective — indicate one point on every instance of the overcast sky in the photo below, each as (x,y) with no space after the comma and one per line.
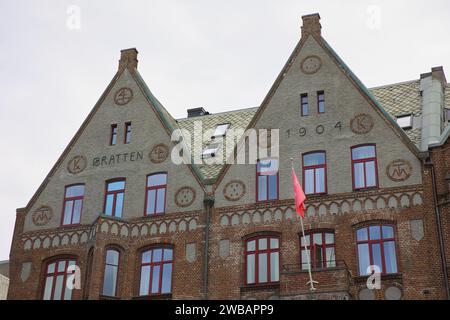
(57,57)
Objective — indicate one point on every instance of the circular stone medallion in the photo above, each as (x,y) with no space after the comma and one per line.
(123,96)
(234,190)
(184,197)
(399,170)
(311,64)
(42,215)
(159,153)
(77,164)
(362,123)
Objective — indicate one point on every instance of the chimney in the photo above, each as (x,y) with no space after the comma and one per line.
(311,24)
(197,112)
(432,88)
(128,59)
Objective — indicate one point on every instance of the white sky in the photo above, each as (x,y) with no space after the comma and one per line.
(221,55)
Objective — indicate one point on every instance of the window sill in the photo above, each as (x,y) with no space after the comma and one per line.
(260,287)
(103,297)
(165,296)
(387,276)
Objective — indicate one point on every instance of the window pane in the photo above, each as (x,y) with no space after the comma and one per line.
(321,106)
(109,281)
(262,244)
(251,268)
(145,280)
(147,256)
(309,181)
(251,245)
(268,167)
(314,159)
(221,130)
(361,234)
(305,109)
(262,267)
(320,180)
(157,180)
(331,259)
(405,121)
(160,201)
(317,238)
(167,278)
(364,258)
(329,238)
(51,268)
(167,254)
(116,185)
(359,175)
(363,152)
(273,188)
(390,257)
(374,232)
(68,212)
(151,198)
(67,293)
(157,255)
(274,243)
(112,257)
(77,211)
(48,288)
(302,241)
(75,191)
(155,279)
(58,288)
(388,232)
(305,259)
(317,260)
(109,204)
(61,266)
(119,205)
(370,174)
(274,266)
(262,188)
(376,255)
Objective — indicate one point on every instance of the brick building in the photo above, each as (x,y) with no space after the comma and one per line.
(373,162)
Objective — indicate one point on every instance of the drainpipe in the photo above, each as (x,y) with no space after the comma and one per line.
(209,204)
(439,229)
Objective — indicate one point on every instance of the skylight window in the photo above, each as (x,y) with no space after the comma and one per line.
(221,130)
(405,122)
(210,150)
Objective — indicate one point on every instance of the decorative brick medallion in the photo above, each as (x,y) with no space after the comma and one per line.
(42,215)
(399,170)
(234,190)
(184,197)
(362,123)
(77,164)
(159,153)
(311,64)
(123,96)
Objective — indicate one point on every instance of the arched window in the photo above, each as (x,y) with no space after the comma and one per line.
(155,193)
(315,172)
(364,167)
(156,271)
(262,259)
(267,179)
(111,272)
(114,196)
(376,247)
(73,204)
(56,279)
(320,246)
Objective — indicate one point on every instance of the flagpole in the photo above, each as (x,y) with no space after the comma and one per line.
(311,281)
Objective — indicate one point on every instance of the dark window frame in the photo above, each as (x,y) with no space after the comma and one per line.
(157,188)
(115,193)
(365,160)
(320,98)
(152,265)
(72,199)
(127,135)
(105,264)
(256,253)
(258,174)
(113,135)
(315,167)
(304,104)
(55,274)
(324,246)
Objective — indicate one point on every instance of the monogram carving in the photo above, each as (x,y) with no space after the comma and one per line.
(77,164)
(184,197)
(234,190)
(159,153)
(311,64)
(42,215)
(123,96)
(399,170)
(361,123)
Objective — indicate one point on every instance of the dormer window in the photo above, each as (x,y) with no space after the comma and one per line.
(405,121)
(221,130)
(210,150)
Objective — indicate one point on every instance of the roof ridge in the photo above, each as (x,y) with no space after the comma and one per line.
(219,113)
(394,84)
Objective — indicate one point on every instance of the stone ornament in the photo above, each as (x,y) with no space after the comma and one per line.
(184,197)
(362,123)
(25,271)
(399,170)
(123,96)
(393,293)
(366,294)
(42,215)
(159,153)
(417,229)
(77,164)
(311,64)
(191,252)
(234,190)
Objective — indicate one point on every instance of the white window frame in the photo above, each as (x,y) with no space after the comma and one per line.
(405,125)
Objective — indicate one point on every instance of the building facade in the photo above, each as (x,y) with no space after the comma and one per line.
(4,280)
(120,215)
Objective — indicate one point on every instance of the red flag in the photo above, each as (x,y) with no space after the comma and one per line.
(299,195)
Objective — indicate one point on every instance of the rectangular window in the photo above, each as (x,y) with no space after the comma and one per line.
(376,247)
(113,138)
(156,272)
(405,122)
(320,101)
(304,104)
(320,247)
(73,204)
(262,260)
(127,132)
(155,200)
(115,191)
(55,280)
(111,272)
(315,173)
(221,130)
(364,163)
(267,180)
